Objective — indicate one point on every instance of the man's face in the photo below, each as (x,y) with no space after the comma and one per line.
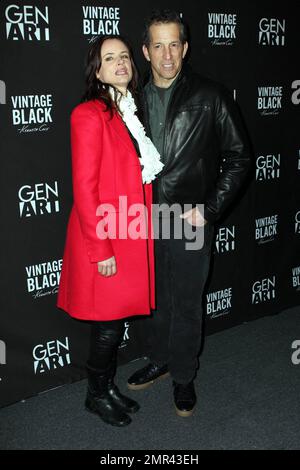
(165,52)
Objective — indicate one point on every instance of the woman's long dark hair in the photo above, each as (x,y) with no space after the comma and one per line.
(94,88)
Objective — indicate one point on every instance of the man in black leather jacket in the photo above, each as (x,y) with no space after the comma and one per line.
(196,127)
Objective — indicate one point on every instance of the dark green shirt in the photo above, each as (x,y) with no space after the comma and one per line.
(158,100)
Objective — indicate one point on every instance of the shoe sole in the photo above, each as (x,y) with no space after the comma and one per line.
(147,384)
(184,414)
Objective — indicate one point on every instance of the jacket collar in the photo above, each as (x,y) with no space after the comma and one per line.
(118,126)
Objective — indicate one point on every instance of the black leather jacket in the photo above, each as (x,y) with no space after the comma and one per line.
(206,151)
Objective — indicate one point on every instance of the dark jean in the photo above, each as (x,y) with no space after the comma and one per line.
(174,330)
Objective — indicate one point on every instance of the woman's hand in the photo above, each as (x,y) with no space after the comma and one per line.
(108,267)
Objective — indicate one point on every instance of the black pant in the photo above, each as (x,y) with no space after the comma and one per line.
(175,327)
(104,341)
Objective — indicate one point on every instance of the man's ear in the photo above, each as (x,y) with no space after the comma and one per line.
(185,48)
(146,53)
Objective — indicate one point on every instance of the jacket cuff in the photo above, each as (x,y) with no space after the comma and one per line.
(100,253)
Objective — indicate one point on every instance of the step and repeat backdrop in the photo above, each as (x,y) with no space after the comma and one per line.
(250,47)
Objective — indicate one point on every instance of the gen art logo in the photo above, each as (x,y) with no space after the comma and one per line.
(271,32)
(38,199)
(27,23)
(50,356)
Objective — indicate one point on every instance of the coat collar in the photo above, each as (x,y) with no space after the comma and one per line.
(117,125)
(120,129)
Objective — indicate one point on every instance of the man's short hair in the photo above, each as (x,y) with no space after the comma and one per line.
(164,16)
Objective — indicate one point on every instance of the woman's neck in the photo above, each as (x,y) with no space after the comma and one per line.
(122,90)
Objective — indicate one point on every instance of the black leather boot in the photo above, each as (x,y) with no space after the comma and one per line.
(124,403)
(100,401)
(146,376)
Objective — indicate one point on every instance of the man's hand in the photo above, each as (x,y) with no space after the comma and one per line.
(107,267)
(194,217)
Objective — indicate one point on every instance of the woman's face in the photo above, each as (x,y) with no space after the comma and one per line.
(115,67)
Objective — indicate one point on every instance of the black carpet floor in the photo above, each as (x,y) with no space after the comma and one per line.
(248,398)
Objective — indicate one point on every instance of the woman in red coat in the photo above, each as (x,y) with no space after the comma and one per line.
(108,266)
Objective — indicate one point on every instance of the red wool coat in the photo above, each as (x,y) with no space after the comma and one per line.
(105,166)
